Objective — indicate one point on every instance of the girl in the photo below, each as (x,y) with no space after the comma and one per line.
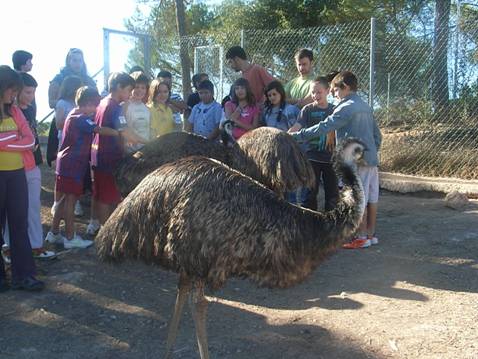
(137,114)
(162,120)
(242,110)
(277,112)
(15,138)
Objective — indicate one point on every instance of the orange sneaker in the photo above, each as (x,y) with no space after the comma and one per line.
(357,243)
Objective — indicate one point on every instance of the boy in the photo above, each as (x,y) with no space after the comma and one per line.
(319,149)
(107,151)
(298,89)
(138,116)
(206,115)
(72,164)
(257,76)
(32,173)
(353,118)
(193,99)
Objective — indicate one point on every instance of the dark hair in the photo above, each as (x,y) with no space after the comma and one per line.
(119,79)
(135,68)
(69,86)
(206,85)
(154,90)
(304,53)
(86,95)
(28,80)
(236,51)
(140,78)
(197,78)
(20,58)
(322,80)
(165,74)
(9,79)
(345,78)
(274,85)
(330,76)
(251,100)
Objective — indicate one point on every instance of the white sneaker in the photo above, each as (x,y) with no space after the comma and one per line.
(374,240)
(77,242)
(93,227)
(78,209)
(54,208)
(54,238)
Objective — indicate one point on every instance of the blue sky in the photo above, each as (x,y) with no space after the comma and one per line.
(49,28)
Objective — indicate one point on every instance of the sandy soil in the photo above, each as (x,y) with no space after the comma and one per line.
(412,296)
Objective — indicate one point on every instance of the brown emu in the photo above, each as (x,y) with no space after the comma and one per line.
(266,154)
(207,222)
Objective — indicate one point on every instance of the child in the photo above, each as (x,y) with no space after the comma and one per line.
(354,118)
(32,173)
(72,164)
(64,105)
(162,120)
(193,99)
(207,114)
(319,149)
(137,113)
(277,112)
(16,138)
(107,151)
(242,110)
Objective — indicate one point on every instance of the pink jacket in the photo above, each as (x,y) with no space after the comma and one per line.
(21,140)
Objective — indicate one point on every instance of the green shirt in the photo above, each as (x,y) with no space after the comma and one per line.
(299,87)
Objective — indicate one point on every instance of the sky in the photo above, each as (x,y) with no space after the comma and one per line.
(49,28)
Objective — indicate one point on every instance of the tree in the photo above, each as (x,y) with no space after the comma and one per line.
(183,51)
(440,92)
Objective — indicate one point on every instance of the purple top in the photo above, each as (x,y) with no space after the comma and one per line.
(107,151)
(74,154)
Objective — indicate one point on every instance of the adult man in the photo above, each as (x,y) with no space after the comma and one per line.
(175,101)
(298,89)
(257,76)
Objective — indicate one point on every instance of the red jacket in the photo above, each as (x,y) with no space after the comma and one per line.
(21,140)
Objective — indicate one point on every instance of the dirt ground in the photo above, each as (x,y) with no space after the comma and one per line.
(412,296)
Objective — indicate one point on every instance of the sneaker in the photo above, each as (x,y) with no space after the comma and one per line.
(357,243)
(93,227)
(77,242)
(6,254)
(29,283)
(54,208)
(374,240)
(41,253)
(78,209)
(54,238)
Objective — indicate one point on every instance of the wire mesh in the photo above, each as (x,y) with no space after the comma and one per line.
(425,77)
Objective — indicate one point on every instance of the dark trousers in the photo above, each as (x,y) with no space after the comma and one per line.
(326,172)
(14,201)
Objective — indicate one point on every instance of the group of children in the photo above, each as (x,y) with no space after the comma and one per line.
(94,134)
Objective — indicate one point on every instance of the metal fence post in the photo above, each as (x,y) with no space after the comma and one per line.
(106,56)
(371,85)
(147,54)
(242,38)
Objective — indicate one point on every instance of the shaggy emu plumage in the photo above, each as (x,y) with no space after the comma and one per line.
(266,154)
(207,222)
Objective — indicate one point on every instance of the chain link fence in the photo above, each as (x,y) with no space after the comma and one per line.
(426,91)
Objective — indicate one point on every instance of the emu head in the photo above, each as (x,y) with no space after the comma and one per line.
(351,151)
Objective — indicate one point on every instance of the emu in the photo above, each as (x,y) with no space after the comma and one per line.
(207,222)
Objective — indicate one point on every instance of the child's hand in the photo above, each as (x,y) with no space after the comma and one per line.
(330,142)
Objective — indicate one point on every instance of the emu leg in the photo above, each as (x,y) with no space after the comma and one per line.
(184,287)
(199,311)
